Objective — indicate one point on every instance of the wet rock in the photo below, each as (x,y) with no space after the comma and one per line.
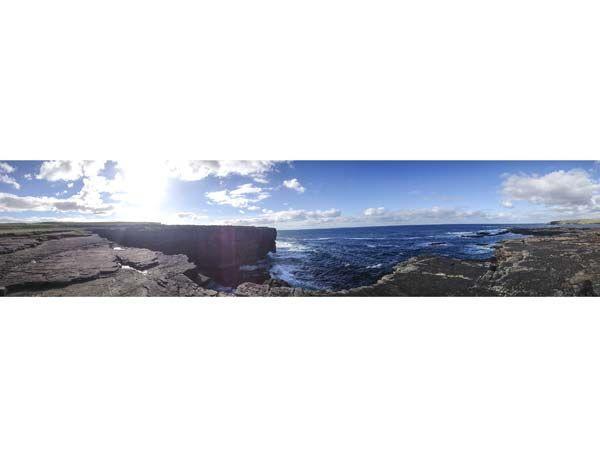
(427,276)
(272,282)
(539,231)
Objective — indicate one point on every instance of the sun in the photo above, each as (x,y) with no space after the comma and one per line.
(143,187)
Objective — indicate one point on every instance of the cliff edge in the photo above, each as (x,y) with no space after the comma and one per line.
(217,251)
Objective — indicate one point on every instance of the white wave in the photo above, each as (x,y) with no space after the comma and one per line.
(375,266)
(462,233)
(285,272)
(477,249)
(292,246)
(493,231)
(365,238)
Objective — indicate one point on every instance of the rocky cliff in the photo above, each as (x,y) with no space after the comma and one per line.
(547,262)
(217,251)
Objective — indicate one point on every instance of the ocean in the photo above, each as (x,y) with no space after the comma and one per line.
(344,258)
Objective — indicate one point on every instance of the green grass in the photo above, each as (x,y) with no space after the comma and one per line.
(24,229)
(576,222)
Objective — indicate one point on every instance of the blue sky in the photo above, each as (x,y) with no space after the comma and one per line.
(300,194)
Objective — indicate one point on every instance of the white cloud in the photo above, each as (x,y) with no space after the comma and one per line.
(69,170)
(5,169)
(9,180)
(10,202)
(298,217)
(294,184)
(261,179)
(433,215)
(331,218)
(242,197)
(197,170)
(573,188)
(374,211)
(507,204)
(28,176)
(69,185)
(186,218)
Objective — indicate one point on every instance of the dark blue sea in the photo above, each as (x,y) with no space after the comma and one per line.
(350,257)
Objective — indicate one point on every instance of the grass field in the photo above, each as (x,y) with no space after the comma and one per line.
(576,222)
(41,227)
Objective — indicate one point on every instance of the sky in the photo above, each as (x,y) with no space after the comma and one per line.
(299,194)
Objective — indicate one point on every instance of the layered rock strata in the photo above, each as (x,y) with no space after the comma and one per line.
(218,251)
(84,264)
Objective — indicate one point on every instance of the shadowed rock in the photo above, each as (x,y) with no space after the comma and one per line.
(218,251)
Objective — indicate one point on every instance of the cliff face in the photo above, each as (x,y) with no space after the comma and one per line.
(218,251)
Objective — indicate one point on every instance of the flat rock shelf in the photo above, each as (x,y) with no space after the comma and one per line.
(77,264)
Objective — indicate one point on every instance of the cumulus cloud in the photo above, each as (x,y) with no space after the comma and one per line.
(380,211)
(261,179)
(299,217)
(294,184)
(573,188)
(10,202)
(433,215)
(69,170)
(186,218)
(242,197)
(507,204)
(9,180)
(330,218)
(198,170)
(5,169)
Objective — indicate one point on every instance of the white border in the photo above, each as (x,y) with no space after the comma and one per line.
(299,80)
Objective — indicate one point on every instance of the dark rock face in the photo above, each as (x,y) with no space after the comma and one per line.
(88,265)
(218,251)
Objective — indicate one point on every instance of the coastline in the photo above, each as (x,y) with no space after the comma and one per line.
(150,261)
(544,262)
